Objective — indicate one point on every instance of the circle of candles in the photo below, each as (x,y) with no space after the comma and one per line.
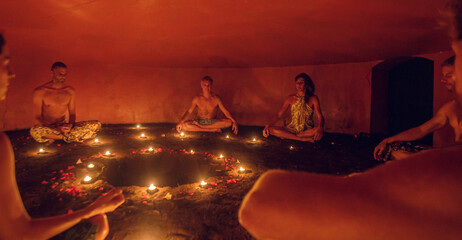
(152,189)
(87,179)
(182,134)
(150,149)
(91,165)
(108,153)
(138,126)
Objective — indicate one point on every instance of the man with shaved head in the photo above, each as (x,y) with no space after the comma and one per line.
(418,197)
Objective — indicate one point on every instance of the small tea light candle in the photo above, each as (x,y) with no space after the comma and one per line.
(152,189)
(241,170)
(203,184)
(192,151)
(221,155)
(291,147)
(138,126)
(254,140)
(87,179)
(91,165)
(41,150)
(108,153)
(150,149)
(142,135)
(182,134)
(96,140)
(163,135)
(227,136)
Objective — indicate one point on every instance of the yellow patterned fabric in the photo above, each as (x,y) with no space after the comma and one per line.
(79,133)
(301,116)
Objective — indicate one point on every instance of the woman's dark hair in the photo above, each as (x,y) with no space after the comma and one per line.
(449,62)
(309,85)
(2,43)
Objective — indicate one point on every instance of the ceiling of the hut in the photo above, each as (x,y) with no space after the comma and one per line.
(221,33)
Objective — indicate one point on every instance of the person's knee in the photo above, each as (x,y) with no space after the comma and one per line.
(38,134)
(103,225)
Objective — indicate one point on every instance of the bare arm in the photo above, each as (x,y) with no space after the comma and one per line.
(318,131)
(276,118)
(15,223)
(37,109)
(227,115)
(187,114)
(416,198)
(437,122)
(72,116)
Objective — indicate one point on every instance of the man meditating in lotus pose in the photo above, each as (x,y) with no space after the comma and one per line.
(207,105)
(416,198)
(394,148)
(52,102)
(87,223)
(303,105)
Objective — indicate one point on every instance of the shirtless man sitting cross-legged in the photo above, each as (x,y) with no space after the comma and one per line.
(207,105)
(52,102)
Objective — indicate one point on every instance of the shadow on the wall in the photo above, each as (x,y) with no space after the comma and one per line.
(402,95)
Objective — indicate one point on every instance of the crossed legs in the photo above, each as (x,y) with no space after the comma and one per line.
(193,126)
(281,132)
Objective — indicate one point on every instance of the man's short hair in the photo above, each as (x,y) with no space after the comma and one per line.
(449,62)
(57,65)
(2,43)
(207,78)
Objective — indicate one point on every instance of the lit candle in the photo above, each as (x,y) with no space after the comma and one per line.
(291,147)
(203,184)
(91,165)
(108,153)
(254,139)
(227,136)
(96,140)
(41,150)
(152,189)
(192,151)
(221,155)
(150,149)
(241,170)
(143,136)
(138,126)
(87,179)
(182,134)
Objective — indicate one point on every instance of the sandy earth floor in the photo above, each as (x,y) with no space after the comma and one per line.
(51,183)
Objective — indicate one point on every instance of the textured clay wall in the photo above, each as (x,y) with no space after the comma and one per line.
(123,94)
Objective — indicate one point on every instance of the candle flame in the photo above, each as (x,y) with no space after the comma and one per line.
(91,165)
(254,139)
(108,153)
(87,179)
(241,169)
(182,134)
(152,187)
(192,151)
(41,150)
(221,155)
(138,126)
(96,140)
(142,135)
(203,183)
(150,149)
(291,147)
(227,136)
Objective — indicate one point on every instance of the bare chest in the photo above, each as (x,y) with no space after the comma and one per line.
(455,122)
(207,105)
(56,98)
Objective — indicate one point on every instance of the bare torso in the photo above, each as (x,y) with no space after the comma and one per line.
(454,114)
(207,107)
(55,103)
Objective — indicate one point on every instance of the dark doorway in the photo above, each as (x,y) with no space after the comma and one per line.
(402,95)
